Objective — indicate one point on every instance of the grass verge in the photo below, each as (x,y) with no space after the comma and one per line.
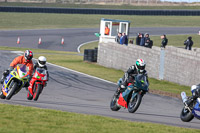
(75,62)
(52,21)
(19,119)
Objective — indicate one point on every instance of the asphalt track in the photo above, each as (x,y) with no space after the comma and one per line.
(51,38)
(74,92)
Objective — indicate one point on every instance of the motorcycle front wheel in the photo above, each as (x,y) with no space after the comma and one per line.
(12,89)
(37,91)
(134,103)
(186,115)
(113,103)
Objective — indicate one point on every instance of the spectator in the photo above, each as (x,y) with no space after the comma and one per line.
(138,39)
(146,40)
(188,43)
(121,39)
(125,39)
(117,39)
(142,41)
(107,30)
(164,40)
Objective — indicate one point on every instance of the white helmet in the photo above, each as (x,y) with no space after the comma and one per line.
(41,61)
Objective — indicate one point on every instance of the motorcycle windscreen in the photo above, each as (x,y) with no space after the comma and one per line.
(141,82)
(41,71)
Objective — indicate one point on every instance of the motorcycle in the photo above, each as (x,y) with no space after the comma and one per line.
(132,96)
(37,83)
(191,111)
(14,82)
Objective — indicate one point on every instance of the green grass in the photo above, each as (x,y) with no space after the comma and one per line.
(19,119)
(75,62)
(51,21)
(107,6)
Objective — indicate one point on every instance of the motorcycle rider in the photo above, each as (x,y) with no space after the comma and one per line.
(41,63)
(195,89)
(138,68)
(25,59)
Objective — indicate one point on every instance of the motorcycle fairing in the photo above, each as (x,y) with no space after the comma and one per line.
(123,98)
(196,110)
(122,101)
(6,84)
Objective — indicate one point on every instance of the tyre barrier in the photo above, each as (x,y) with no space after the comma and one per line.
(101,11)
(90,55)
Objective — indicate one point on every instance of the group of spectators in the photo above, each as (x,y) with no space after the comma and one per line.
(122,38)
(144,40)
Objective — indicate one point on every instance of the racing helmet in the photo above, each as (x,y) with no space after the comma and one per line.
(28,55)
(140,65)
(41,61)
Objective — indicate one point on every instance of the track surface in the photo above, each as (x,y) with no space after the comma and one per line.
(74,92)
(51,39)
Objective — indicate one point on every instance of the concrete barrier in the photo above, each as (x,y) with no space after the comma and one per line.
(180,66)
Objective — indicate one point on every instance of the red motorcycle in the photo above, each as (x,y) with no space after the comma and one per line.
(37,83)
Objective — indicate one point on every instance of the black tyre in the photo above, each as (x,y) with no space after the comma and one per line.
(186,115)
(37,91)
(2,95)
(11,92)
(113,103)
(134,103)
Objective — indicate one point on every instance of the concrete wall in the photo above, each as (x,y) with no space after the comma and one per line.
(180,66)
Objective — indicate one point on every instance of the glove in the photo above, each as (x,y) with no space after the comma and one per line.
(122,86)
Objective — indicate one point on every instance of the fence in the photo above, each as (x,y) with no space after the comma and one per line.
(101,11)
(112,2)
(178,65)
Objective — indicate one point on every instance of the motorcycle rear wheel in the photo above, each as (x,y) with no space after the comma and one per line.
(134,103)
(36,93)
(13,87)
(113,103)
(186,115)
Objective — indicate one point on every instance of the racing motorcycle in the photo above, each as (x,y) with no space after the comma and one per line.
(37,83)
(132,96)
(14,82)
(191,111)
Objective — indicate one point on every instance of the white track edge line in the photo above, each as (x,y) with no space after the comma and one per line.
(78,49)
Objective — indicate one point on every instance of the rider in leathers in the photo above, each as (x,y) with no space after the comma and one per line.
(138,68)
(195,89)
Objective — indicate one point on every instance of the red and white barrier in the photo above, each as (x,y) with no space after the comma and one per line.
(40,41)
(18,40)
(62,41)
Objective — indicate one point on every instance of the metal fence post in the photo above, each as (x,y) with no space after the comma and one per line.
(162,64)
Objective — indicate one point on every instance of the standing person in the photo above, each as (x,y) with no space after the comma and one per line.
(25,59)
(142,41)
(117,39)
(138,39)
(121,39)
(146,40)
(188,43)
(107,30)
(164,40)
(125,39)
